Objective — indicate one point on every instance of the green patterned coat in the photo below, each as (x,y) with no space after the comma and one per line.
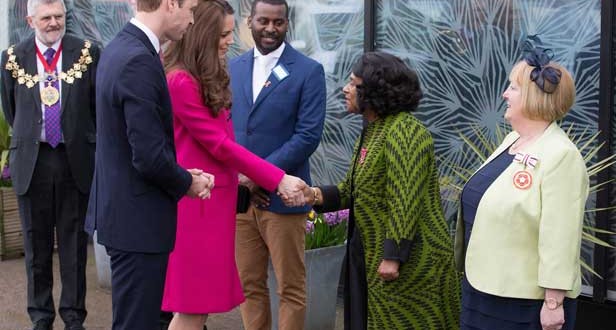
(397,199)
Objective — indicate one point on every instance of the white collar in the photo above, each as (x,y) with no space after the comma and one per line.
(153,38)
(275,54)
(43,48)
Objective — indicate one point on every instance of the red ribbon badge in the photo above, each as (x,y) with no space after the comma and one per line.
(522,180)
(362,155)
(49,68)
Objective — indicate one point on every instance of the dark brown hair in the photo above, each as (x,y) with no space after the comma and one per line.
(197,53)
(149,6)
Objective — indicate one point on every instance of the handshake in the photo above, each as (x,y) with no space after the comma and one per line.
(292,190)
(202,184)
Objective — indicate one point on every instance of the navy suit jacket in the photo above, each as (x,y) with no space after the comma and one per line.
(285,123)
(137,182)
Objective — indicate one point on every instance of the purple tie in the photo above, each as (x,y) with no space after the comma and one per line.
(53,130)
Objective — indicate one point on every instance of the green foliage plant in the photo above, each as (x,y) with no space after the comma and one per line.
(326,229)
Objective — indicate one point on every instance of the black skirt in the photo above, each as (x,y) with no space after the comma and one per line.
(482,311)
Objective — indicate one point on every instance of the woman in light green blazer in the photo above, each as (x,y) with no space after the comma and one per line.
(519,227)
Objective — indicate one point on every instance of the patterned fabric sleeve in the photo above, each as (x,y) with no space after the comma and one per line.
(338,197)
(345,186)
(408,156)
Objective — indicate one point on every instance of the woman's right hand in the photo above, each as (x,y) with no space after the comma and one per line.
(312,196)
(389,270)
(552,319)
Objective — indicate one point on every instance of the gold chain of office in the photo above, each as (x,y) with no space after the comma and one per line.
(76,72)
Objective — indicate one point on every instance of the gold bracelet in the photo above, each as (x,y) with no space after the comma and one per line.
(316,195)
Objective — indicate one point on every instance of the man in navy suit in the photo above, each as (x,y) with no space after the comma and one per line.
(50,107)
(278,114)
(137,182)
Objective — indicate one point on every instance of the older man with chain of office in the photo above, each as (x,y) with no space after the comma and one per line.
(48,99)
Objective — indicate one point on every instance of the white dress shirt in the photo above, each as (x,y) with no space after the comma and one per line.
(41,73)
(262,68)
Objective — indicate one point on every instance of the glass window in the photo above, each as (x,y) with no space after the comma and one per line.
(463,51)
(331,32)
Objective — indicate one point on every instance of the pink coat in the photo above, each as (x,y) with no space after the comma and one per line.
(202,276)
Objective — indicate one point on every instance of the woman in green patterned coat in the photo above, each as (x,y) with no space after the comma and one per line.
(399,262)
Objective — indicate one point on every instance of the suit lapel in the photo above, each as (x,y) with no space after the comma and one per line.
(248,65)
(272,82)
(509,139)
(29,65)
(539,145)
(70,55)
(535,148)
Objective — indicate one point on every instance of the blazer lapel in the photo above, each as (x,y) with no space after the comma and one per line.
(29,65)
(248,65)
(70,55)
(509,139)
(270,84)
(538,146)
(286,60)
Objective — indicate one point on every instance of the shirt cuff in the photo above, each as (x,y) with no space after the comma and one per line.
(331,199)
(393,251)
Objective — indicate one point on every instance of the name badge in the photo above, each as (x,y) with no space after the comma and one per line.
(280,72)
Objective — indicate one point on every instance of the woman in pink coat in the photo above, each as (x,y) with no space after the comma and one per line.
(202,277)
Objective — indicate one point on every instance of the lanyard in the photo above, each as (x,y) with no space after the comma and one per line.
(49,68)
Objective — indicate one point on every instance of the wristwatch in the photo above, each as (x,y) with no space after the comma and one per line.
(552,303)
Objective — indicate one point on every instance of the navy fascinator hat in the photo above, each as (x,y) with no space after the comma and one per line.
(546,77)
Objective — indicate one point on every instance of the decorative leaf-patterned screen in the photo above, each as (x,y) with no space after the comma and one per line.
(462,50)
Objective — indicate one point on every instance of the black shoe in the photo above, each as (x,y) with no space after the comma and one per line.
(43,325)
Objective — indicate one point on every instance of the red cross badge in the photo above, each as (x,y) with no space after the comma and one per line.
(362,155)
(522,180)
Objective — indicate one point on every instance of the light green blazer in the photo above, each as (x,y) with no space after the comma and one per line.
(525,240)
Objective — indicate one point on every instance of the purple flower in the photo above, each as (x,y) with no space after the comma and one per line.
(331,218)
(334,218)
(343,215)
(309,226)
(6,174)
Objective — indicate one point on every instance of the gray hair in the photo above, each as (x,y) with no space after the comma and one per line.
(32,4)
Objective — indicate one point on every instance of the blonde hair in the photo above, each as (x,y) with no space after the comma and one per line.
(537,104)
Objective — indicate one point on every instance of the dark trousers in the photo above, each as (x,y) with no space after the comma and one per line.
(355,283)
(137,281)
(53,203)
